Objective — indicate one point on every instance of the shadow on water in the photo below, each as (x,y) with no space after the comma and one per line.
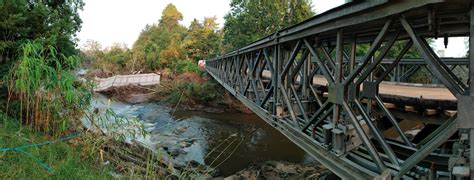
(265,143)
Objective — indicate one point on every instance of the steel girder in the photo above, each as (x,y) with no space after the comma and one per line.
(275,78)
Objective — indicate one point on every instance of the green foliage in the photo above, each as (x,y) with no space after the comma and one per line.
(166,45)
(250,20)
(91,52)
(170,17)
(203,40)
(118,127)
(54,22)
(64,159)
(118,55)
(395,50)
(189,92)
(186,66)
(170,45)
(117,58)
(42,91)
(422,75)
(158,46)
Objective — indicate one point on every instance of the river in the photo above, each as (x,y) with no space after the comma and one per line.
(244,139)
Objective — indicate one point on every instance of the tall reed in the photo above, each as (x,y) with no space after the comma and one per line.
(42,91)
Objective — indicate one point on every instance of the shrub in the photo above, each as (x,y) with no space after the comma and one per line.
(189,92)
(186,66)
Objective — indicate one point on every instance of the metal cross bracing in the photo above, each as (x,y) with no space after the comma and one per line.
(347,130)
(407,67)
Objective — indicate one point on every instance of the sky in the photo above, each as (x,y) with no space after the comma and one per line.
(121,21)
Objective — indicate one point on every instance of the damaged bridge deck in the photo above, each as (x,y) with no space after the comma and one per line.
(103,84)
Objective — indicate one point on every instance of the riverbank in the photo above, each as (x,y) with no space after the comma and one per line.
(84,154)
(66,159)
(188,91)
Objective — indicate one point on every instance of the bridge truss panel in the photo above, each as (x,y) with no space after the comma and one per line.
(313,84)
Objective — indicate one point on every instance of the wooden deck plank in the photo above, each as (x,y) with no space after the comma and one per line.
(406,91)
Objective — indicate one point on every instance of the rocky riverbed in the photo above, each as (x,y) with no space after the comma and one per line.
(281,170)
(224,142)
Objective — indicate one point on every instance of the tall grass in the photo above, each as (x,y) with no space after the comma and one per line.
(65,160)
(42,92)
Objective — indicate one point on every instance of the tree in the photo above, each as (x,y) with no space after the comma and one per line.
(170,18)
(91,52)
(394,50)
(250,20)
(203,40)
(118,54)
(54,23)
(158,45)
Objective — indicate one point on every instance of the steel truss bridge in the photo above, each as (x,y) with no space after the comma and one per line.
(309,83)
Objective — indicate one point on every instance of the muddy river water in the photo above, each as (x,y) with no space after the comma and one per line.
(228,142)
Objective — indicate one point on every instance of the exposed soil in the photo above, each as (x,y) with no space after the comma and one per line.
(191,77)
(227,104)
(130,94)
(137,94)
(100,73)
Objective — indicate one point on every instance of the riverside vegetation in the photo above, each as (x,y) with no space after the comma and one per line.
(49,103)
(42,101)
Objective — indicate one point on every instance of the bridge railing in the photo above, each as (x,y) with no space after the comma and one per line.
(341,116)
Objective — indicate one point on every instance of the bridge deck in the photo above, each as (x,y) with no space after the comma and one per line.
(414,91)
(402,91)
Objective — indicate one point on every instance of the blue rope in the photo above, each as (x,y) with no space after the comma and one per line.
(20,149)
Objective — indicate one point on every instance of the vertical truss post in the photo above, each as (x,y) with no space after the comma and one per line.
(338,71)
(337,141)
(275,78)
(471,50)
(305,80)
(352,62)
(471,85)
